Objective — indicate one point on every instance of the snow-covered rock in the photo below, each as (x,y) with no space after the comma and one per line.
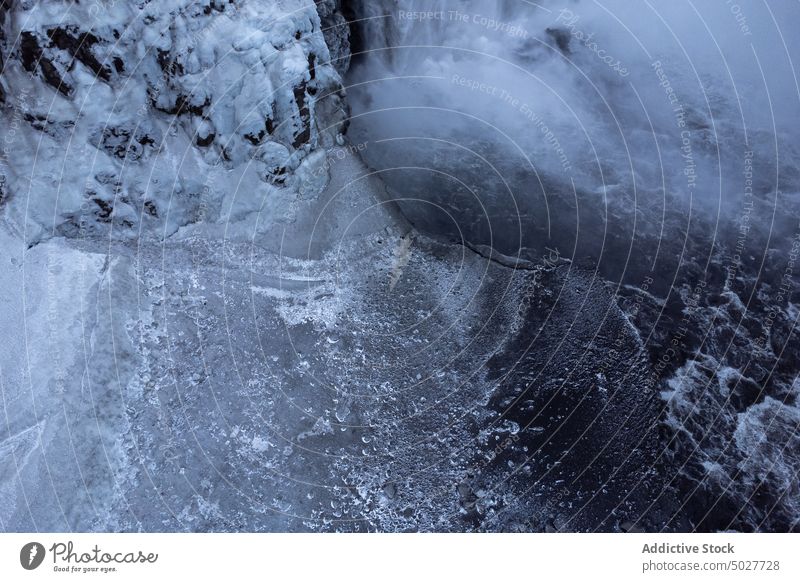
(126,118)
(336,29)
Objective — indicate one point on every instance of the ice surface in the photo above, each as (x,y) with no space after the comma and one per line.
(338,381)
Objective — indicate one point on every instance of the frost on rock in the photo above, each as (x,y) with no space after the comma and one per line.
(130,118)
(336,29)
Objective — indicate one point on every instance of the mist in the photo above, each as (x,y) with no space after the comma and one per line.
(589,126)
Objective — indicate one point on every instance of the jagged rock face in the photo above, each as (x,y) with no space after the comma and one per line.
(147,104)
(4,6)
(336,29)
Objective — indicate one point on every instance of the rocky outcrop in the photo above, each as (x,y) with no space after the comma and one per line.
(336,30)
(146,106)
(4,6)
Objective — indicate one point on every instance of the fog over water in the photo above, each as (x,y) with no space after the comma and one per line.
(527,122)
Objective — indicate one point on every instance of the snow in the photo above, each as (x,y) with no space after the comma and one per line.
(235,71)
(293,385)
